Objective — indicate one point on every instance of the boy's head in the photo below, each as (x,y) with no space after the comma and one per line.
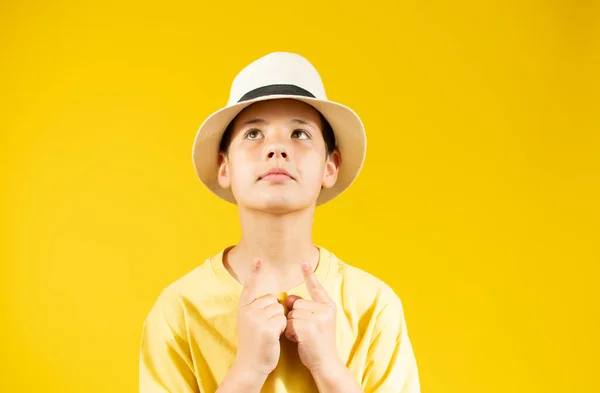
(279,118)
(282,135)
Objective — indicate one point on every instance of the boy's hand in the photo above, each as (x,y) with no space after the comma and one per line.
(260,324)
(312,324)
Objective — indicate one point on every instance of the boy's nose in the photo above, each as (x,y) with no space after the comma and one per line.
(277,151)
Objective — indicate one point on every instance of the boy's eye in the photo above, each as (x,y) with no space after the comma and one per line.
(300,134)
(253,134)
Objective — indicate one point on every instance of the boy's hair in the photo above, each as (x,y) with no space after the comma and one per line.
(328,136)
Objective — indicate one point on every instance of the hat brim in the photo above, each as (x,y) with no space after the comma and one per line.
(346,124)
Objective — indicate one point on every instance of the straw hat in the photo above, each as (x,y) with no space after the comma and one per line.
(275,76)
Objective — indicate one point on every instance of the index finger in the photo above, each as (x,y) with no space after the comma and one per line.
(249,292)
(316,291)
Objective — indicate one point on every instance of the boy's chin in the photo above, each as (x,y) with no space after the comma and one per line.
(277,203)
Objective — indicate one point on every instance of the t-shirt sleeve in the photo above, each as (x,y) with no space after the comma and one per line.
(391,364)
(165,363)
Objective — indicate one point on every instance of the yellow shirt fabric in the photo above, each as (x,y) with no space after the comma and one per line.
(189,337)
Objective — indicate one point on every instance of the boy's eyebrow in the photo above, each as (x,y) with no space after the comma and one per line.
(304,122)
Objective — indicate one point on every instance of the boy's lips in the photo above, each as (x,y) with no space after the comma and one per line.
(276,173)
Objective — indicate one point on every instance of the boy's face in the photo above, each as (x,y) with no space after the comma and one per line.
(284,135)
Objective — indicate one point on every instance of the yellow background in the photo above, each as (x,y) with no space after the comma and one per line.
(478,203)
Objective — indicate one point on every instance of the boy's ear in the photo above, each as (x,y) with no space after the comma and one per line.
(332,168)
(223,171)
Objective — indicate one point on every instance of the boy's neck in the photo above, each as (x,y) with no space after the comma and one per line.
(281,241)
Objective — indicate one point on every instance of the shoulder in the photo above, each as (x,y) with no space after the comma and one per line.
(169,306)
(365,290)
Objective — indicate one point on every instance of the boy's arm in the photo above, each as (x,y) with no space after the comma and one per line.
(240,379)
(391,366)
(166,363)
(337,379)
(165,366)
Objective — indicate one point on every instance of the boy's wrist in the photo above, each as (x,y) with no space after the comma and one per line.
(247,376)
(331,372)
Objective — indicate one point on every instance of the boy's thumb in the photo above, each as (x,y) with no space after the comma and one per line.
(290,300)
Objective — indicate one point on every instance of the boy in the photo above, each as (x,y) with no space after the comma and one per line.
(275,313)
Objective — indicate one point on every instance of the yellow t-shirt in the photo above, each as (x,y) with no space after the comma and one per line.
(189,336)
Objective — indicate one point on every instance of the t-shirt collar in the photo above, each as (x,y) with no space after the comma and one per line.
(234,287)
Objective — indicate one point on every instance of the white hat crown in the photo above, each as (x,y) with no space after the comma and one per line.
(278,70)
